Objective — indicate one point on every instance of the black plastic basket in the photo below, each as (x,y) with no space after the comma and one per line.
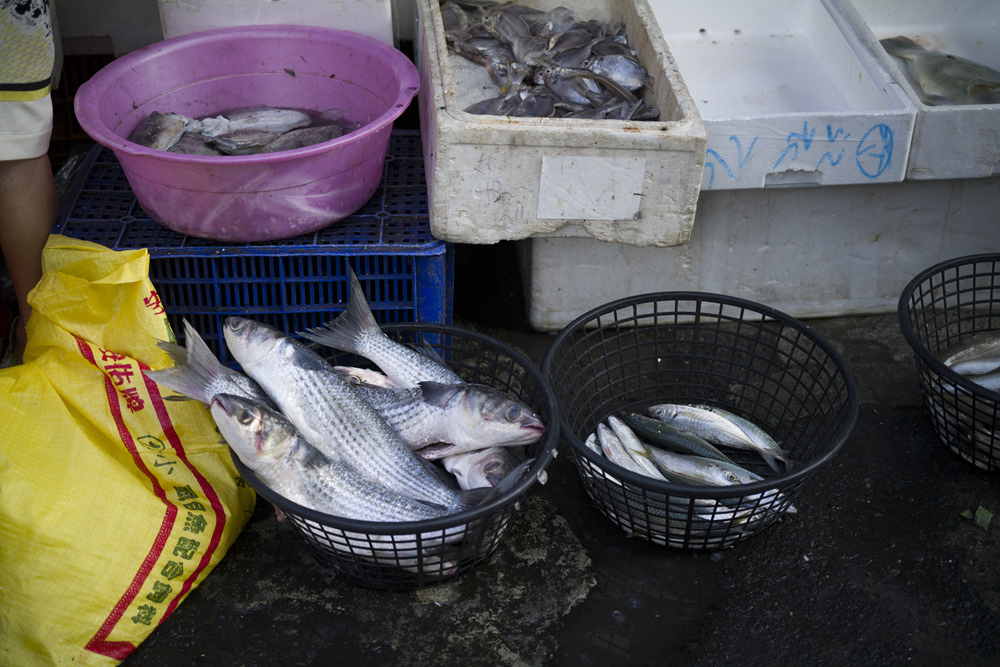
(409,555)
(699,348)
(940,307)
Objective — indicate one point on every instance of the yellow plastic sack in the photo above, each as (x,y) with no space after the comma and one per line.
(114,504)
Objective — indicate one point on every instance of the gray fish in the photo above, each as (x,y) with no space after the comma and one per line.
(327,410)
(623,70)
(306,136)
(198,374)
(975,355)
(483,467)
(194,144)
(706,424)
(530,50)
(482,49)
(243,142)
(989,380)
(549,40)
(356,331)
(446,419)
(501,105)
(454,18)
(159,131)
(556,20)
(636,448)
(592,443)
(671,437)
(756,438)
(581,85)
(506,26)
(365,377)
(269,445)
(615,450)
(943,78)
(700,471)
(696,470)
(538,103)
(260,119)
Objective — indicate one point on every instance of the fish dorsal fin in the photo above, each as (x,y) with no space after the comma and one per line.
(438,393)
(428,351)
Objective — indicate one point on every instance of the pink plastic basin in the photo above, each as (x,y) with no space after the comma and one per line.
(252,197)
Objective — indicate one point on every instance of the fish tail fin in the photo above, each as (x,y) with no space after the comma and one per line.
(343,331)
(194,369)
(896,45)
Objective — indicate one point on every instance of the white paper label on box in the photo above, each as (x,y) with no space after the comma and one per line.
(591,188)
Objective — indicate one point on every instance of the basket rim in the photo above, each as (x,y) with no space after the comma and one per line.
(167,48)
(542,460)
(690,491)
(918,347)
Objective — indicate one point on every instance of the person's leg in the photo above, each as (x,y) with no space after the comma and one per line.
(28,209)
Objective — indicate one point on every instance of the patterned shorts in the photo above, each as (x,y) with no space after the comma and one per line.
(27,54)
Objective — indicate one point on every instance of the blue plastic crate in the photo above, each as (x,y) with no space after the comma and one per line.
(290,284)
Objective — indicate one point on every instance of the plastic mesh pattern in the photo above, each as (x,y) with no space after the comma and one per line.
(699,348)
(291,284)
(943,306)
(416,554)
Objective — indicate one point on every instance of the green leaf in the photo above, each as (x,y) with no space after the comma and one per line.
(983,517)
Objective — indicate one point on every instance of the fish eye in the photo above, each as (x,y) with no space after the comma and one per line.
(512,413)
(658,412)
(732,478)
(244,416)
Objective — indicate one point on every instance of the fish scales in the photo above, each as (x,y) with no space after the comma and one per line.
(268,444)
(324,407)
(944,78)
(356,331)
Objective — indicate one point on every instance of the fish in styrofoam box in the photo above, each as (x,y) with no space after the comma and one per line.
(495,178)
(787,97)
(949,141)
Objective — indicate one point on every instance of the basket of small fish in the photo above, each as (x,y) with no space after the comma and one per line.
(250,133)
(950,316)
(695,419)
(399,458)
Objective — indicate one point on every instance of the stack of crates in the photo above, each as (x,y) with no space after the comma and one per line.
(291,284)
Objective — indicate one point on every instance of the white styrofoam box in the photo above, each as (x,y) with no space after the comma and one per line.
(787,97)
(948,141)
(368,17)
(495,178)
(810,252)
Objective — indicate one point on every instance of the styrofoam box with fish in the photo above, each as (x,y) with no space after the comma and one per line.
(949,141)
(788,98)
(495,178)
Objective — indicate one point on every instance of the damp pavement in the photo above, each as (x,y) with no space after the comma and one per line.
(879,567)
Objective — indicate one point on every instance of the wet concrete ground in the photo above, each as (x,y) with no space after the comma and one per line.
(877,568)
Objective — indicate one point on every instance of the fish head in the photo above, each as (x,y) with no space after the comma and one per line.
(256,433)
(483,467)
(251,342)
(500,419)
(665,412)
